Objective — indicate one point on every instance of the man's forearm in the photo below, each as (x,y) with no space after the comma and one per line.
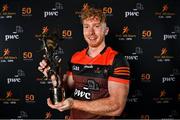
(104,106)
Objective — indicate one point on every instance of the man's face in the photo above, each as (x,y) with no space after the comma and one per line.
(94,31)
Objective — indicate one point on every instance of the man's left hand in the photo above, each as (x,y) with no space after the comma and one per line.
(61,106)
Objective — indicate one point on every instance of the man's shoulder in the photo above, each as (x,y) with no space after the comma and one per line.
(78,54)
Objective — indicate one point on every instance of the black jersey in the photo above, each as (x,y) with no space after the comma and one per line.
(91,76)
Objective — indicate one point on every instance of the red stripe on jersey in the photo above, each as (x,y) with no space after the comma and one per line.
(119,71)
(127,74)
(122,68)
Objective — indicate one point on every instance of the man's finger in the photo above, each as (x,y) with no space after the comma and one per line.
(50,104)
(40,69)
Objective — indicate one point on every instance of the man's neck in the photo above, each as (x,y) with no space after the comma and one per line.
(94,51)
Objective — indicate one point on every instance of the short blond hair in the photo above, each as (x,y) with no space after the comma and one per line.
(90,12)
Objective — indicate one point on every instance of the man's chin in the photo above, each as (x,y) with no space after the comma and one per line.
(93,45)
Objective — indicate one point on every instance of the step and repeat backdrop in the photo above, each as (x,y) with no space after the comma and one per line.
(146,32)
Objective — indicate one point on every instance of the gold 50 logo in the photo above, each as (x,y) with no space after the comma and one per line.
(26,11)
(27,55)
(29,98)
(67,34)
(107,10)
(146,77)
(146,34)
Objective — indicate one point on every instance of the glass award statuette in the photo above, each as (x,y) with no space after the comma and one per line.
(53,56)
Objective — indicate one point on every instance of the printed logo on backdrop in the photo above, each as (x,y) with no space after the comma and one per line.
(177,29)
(169,79)
(48,115)
(54,12)
(8,55)
(14,35)
(164,56)
(125,34)
(30,98)
(145,117)
(134,12)
(165,12)
(172,35)
(146,77)
(139,50)
(134,56)
(135,97)
(27,56)
(5,12)
(9,98)
(108,10)
(176,71)
(22,114)
(162,98)
(66,34)
(146,34)
(84,7)
(171,115)
(26,11)
(17,78)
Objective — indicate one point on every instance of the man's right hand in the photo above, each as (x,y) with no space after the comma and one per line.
(44,67)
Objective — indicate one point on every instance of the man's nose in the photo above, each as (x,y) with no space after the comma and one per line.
(91,31)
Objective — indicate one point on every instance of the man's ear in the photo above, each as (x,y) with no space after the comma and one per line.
(106,30)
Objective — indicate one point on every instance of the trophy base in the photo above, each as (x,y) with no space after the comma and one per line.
(56,95)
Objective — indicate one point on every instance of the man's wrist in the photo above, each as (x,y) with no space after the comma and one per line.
(71,102)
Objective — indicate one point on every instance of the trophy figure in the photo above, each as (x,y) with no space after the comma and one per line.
(53,55)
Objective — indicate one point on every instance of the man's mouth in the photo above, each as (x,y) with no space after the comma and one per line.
(92,38)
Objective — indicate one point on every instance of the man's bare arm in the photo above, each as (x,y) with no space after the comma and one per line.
(111,106)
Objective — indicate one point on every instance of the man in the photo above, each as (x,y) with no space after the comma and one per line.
(98,74)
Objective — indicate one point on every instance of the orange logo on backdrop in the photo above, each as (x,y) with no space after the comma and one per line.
(48,115)
(125,30)
(165,8)
(162,93)
(85,7)
(9,94)
(6,52)
(164,51)
(5,8)
(45,30)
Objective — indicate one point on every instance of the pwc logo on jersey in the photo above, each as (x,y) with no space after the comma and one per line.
(55,11)
(82,94)
(85,92)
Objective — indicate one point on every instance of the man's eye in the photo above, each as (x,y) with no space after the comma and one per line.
(85,26)
(97,26)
